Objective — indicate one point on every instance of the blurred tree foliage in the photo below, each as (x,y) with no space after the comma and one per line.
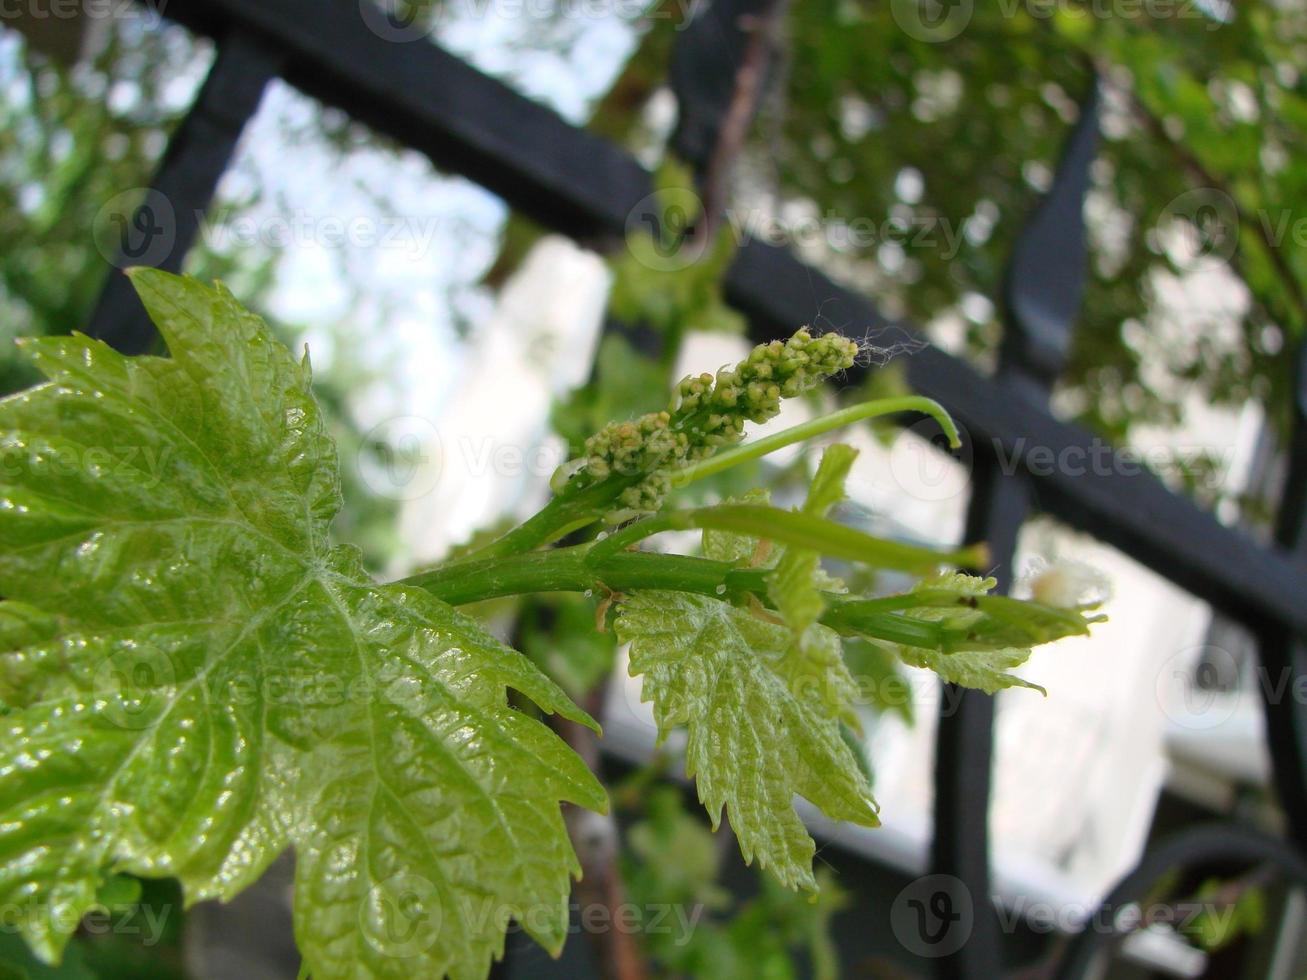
(765,937)
(962,134)
(904,142)
(73,138)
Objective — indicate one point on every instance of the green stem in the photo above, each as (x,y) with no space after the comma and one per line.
(799,530)
(723,461)
(572,570)
(636,532)
(563,514)
(535,531)
(567,570)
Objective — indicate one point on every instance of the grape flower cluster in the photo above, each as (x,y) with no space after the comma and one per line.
(706,413)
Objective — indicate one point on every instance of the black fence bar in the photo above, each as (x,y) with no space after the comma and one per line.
(964,756)
(579,184)
(164,224)
(1283,655)
(704,74)
(1042,291)
(1227,846)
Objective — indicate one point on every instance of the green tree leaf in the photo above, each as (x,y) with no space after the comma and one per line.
(199,680)
(763,720)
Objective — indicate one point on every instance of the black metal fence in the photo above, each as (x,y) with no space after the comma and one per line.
(581,185)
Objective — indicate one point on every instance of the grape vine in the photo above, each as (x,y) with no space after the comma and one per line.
(155,618)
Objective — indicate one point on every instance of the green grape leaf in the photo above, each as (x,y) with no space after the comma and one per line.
(986,670)
(761,938)
(795,585)
(200,680)
(763,720)
(1023,622)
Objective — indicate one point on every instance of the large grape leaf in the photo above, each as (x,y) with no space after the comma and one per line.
(763,719)
(197,679)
